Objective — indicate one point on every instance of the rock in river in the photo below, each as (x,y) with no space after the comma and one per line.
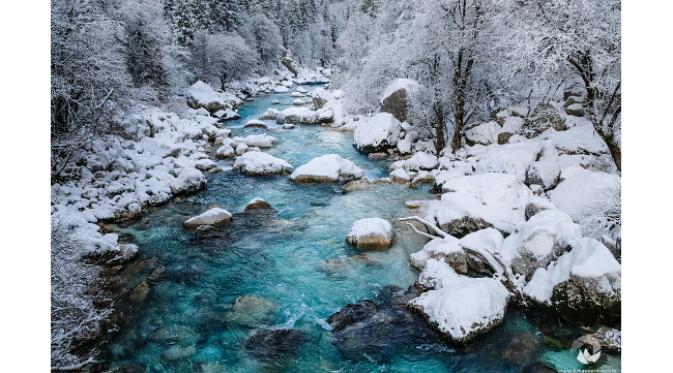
(274,344)
(213,216)
(370,233)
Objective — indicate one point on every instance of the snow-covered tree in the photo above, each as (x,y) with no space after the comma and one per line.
(221,57)
(264,36)
(552,39)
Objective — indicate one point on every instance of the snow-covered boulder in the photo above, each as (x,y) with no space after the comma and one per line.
(328,168)
(483,134)
(260,140)
(256,204)
(370,233)
(269,114)
(582,193)
(377,134)
(214,216)
(447,249)
(421,161)
(281,89)
(459,307)
(396,97)
(188,180)
(296,94)
(256,163)
(471,203)
(584,284)
(201,95)
(225,151)
(540,240)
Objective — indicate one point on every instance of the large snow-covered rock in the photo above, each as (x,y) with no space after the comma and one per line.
(471,203)
(396,97)
(328,168)
(370,233)
(201,95)
(377,134)
(213,216)
(582,192)
(484,134)
(540,240)
(583,284)
(257,163)
(460,307)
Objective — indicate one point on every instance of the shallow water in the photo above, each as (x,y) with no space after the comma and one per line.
(297,259)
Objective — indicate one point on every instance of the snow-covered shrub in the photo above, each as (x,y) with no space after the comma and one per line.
(75,318)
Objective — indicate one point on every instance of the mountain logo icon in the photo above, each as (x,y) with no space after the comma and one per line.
(589,349)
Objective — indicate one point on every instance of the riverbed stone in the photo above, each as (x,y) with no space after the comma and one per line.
(139,293)
(275,344)
(257,204)
(381,328)
(251,311)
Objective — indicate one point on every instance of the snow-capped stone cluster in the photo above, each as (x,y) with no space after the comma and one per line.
(379,133)
(547,186)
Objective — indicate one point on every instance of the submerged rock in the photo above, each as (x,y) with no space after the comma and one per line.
(175,353)
(381,328)
(370,233)
(140,292)
(521,348)
(251,311)
(180,334)
(273,344)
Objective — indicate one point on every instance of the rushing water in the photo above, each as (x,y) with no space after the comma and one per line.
(296,261)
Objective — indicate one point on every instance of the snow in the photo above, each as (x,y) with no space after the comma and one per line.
(582,192)
(589,259)
(421,161)
(370,233)
(408,85)
(578,139)
(458,306)
(489,240)
(539,241)
(306,115)
(484,134)
(327,168)
(281,89)
(497,198)
(215,215)
(269,114)
(437,248)
(260,140)
(508,158)
(225,151)
(258,163)
(379,132)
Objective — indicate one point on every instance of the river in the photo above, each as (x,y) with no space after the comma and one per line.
(296,262)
